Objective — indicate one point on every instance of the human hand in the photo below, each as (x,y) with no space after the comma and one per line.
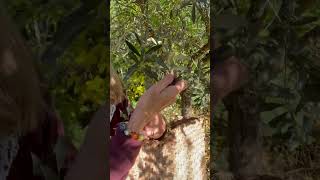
(156,127)
(155,99)
(228,76)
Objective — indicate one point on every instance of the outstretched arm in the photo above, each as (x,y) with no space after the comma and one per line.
(92,161)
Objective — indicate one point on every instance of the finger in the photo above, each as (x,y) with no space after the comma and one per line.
(168,95)
(152,133)
(147,132)
(174,90)
(139,119)
(181,85)
(169,103)
(162,84)
(136,126)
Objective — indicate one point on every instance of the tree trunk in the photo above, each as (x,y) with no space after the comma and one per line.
(245,156)
(186,108)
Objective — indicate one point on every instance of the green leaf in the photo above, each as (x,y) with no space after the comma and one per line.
(133,56)
(285,127)
(154,48)
(151,74)
(131,70)
(305,20)
(299,119)
(193,13)
(181,68)
(171,14)
(138,39)
(275,100)
(268,116)
(142,53)
(275,6)
(162,64)
(132,48)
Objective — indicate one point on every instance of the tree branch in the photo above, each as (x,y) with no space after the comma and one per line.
(201,51)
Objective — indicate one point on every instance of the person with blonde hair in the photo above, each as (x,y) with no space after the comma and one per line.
(30,128)
(145,122)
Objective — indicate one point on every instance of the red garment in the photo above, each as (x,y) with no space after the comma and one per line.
(41,143)
(121,108)
(123,153)
(123,149)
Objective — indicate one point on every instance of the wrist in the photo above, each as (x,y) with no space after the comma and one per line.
(125,130)
(139,119)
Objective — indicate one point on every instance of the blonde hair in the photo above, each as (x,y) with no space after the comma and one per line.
(117,94)
(20,99)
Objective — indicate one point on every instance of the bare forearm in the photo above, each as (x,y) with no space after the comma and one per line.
(91,162)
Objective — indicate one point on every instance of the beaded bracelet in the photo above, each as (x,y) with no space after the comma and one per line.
(124,127)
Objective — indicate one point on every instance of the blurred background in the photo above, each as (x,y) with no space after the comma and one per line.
(68,42)
(271,126)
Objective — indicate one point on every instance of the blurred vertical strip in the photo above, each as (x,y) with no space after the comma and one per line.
(212,100)
(107,42)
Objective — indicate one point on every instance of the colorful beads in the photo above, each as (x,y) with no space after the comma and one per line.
(134,136)
(123,127)
(141,138)
(126,132)
(137,136)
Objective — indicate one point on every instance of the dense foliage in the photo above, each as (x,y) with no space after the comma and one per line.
(68,42)
(150,38)
(279,41)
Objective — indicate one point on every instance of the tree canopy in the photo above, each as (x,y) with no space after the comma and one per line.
(150,38)
(279,42)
